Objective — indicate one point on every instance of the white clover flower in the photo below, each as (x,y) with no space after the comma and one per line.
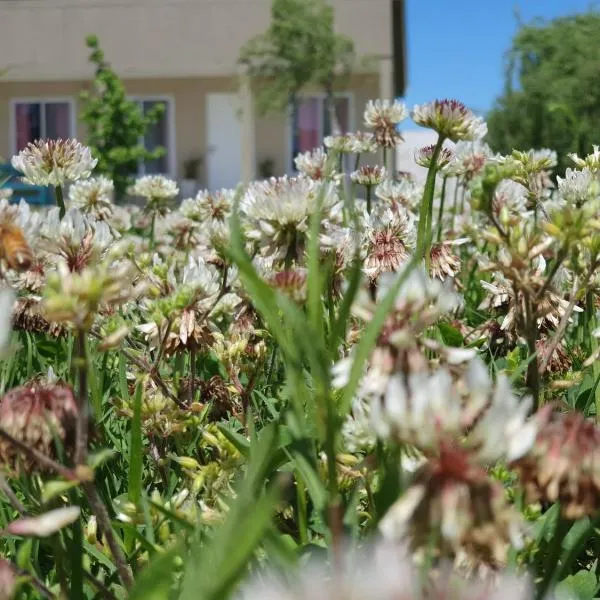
(361,143)
(276,213)
(469,159)
(77,239)
(154,187)
(209,206)
(312,164)
(424,155)
(54,162)
(591,161)
(388,239)
(401,193)
(384,571)
(369,175)
(21,215)
(383,117)
(378,111)
(510,196)
(451,119)
(577,187)
(428,409)
(338,143)
(202,278)
(93,196)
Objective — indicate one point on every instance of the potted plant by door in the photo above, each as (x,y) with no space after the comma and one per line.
(191,177)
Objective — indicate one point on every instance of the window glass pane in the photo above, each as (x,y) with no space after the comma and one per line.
(58,120)
(28,123)
(342,114)
(308,124)
(157,136)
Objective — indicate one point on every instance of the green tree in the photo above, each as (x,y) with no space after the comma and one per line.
(115,124)
(551,96)
(299,49)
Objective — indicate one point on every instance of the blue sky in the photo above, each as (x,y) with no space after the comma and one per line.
(456,47)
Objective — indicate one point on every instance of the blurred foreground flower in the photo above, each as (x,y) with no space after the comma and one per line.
(8,580)
(382,572)
(7,300)
(54,162)
(41,416)
(452,500)
(564,464)
(46,524)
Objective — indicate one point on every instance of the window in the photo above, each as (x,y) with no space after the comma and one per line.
(158,135)
(312,122)
(35,119)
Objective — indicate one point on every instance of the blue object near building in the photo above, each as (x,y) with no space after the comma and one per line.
(33,194)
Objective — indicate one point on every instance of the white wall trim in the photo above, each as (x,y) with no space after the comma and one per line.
(39,100)
(288,122)
(168,99)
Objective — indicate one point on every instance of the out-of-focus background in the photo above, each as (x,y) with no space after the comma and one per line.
(531,66)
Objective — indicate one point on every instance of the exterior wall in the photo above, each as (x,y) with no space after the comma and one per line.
(43,40)
(189,95)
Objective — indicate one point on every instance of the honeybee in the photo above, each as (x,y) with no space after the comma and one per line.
(14,248)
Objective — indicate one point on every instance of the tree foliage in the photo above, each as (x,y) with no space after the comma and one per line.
(299,49)
(115,124)
(551,97)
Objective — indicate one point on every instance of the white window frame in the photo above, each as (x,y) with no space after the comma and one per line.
(40,100)
(169,100)
(290,170)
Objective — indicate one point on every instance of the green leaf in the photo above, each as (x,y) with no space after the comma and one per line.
(97,459)
(581,586)
(315,277)
(135,454)
(215,571)
(312,481)
(450,335)
(55,488)
(241,443)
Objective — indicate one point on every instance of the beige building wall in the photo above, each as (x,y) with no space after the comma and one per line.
(44,39)
(189,96)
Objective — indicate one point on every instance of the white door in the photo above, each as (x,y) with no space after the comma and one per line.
(224,135)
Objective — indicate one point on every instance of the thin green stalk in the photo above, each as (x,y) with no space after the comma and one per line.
(152,228)
(81,364)
(424,229)
(369,199)
(455,203)
(60,201)
(302,510)
(441,209)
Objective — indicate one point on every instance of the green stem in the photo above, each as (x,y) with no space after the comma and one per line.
(152,227)
(60,201)
(81,439)
(369,199)
(423,232)
(455,203)
(441,210)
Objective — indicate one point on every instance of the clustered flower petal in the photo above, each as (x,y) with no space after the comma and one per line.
(54,162)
